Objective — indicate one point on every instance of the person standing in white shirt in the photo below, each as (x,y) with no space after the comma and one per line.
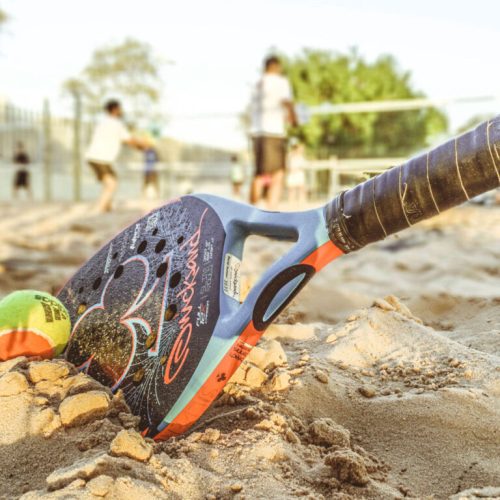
(105,146)
(271,110)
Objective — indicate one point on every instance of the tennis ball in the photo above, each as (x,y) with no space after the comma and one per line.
(32,324)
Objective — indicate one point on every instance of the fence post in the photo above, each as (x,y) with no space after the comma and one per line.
(77,137)
(47,151)
(8,131)
(3,128)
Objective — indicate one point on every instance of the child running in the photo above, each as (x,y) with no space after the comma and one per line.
(106,144)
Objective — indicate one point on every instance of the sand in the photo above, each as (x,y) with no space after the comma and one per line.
(381,380)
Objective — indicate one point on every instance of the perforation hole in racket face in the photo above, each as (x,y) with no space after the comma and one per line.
(140,302)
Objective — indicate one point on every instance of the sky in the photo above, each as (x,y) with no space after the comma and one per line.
(216,48)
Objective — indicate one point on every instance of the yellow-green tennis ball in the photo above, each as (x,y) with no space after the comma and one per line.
(32,324)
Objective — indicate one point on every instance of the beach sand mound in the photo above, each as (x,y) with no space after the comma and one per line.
(73,439)
(366,407)
(381,380)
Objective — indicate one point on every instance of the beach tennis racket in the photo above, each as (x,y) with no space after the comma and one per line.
(157,312)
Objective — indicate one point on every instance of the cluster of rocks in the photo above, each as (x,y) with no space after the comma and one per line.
(265,367)
(69,411)
(427,374)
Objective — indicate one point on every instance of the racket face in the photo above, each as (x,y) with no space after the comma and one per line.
(156,311)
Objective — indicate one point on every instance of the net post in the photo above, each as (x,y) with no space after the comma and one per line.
(47,151)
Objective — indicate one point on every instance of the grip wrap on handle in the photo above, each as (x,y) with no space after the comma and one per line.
(424,186)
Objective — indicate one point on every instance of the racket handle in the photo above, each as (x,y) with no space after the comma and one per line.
(422,187)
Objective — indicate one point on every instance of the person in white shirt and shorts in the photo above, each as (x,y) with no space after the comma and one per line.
(105,146)
(271,110)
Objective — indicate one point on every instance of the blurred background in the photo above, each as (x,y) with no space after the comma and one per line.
(375,81)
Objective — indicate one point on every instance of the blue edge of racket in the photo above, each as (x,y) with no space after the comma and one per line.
(156,312)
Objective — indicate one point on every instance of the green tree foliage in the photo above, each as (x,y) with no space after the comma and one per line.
(319,76)
(129,71)
(474,121)
(3,17)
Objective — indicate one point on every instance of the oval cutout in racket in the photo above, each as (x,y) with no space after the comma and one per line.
(156,312)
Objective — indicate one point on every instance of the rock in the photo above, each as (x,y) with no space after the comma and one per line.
(249,375)
(82,408)
(100,485)
(383,304)
(401,308)
(82,469)
(348,467)
(45,422)
(80,383)
(132,488)
(278,419)
(12,383)
(324,431)
(254,376)
(47,370)
(257,356)
(368,391)
(331,338)
(50,389)
(267,355)
(264,425)
(7,366)
(491,492)
(210,436)
(91,468)
(236,487)
(291,437)
(129,443)
(321,376)
(275,354)
(280,381)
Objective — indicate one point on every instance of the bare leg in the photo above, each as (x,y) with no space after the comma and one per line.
(109,185)
(275,189)
(256,189)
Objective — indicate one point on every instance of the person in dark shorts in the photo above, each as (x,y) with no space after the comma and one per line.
(107,140)
(271,110)
(22,176)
